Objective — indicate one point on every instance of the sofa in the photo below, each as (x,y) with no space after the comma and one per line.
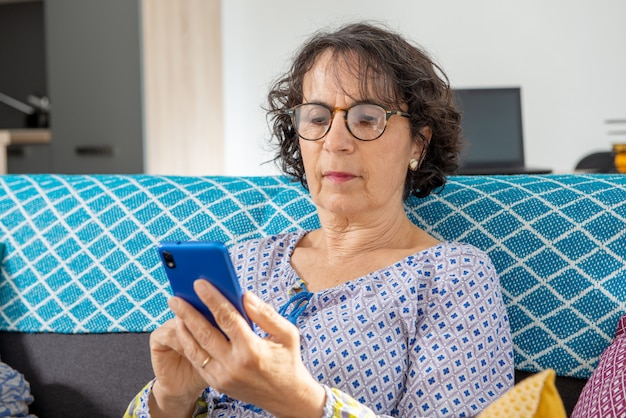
(81,286)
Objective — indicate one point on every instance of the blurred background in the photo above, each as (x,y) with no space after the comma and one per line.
(179,86)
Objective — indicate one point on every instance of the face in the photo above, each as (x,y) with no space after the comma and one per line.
(347,176)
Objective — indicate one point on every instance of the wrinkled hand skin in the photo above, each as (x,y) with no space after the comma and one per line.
(244,366)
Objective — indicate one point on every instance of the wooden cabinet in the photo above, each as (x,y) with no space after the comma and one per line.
(85,56)
(95,84)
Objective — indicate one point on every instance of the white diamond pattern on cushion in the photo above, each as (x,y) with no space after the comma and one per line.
(80,250)
(559,245)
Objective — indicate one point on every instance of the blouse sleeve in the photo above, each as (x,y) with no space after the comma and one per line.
(461,356)
(138,407)
(341,405)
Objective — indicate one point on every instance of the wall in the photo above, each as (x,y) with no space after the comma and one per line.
(568,57)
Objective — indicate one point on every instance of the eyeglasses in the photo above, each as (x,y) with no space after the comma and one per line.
(365,121)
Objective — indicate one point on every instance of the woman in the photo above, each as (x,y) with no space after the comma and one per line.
(368,315)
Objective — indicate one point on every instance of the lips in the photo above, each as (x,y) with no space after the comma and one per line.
(338,176)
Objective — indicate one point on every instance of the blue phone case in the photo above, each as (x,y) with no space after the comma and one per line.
(187,261)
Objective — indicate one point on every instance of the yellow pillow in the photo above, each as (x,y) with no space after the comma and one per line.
(534,397)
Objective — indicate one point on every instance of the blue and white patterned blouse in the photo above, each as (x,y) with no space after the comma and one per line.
(427,336)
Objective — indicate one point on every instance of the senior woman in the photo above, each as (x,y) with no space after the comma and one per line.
(368,315)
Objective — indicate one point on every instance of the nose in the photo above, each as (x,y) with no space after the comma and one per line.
(338,137)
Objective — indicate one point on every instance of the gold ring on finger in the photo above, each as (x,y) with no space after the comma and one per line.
(206,361)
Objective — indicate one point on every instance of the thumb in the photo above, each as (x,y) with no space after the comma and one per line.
(266,317)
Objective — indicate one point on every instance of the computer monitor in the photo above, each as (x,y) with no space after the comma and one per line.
(492,131)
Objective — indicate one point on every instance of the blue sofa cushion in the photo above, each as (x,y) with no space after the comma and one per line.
(559,245)
(81,250)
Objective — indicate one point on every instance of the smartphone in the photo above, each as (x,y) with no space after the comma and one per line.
(187,261)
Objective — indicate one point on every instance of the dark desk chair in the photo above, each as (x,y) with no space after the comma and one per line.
(598,162)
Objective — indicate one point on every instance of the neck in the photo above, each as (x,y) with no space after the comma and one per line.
(343,236)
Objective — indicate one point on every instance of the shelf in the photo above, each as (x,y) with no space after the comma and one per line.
(19,1)
(25,136)
(20,137)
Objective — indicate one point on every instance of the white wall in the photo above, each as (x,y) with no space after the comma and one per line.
(569,58)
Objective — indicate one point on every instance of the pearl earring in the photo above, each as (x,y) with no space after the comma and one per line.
(413,164)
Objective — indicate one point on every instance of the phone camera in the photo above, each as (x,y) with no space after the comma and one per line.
(169,259)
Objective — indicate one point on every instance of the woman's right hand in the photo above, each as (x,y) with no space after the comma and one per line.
(178,383)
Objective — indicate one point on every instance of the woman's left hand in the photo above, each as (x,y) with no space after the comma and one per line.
(266,372)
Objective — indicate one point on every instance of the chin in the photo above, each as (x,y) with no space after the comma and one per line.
(343,203)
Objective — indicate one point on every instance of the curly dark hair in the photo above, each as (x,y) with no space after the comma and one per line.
(401,74)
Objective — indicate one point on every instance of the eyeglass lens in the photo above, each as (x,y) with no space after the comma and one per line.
(365,121)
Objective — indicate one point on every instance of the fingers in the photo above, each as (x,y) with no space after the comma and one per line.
(205,362)
(164,338)
(176,375)
(230,321)
(278,328)
(196,353)
(197,337)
